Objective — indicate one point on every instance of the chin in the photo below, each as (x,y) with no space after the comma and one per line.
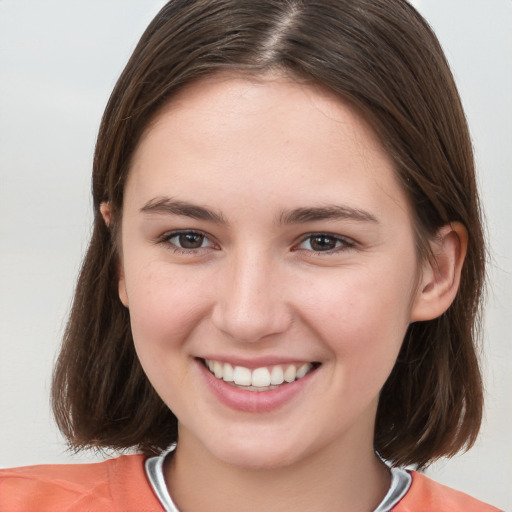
(257,458)
(260,449)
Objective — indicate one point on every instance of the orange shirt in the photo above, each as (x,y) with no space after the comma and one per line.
(120,485)
(425,495)
(114,485)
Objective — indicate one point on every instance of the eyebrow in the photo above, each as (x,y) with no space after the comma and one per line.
(330,212)
(169,206)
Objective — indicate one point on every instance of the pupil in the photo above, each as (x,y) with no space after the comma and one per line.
(323,243)
(191,240)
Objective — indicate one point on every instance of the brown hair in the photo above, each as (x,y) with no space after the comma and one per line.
(381,56)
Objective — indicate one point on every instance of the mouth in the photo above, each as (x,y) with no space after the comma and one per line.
(265,378)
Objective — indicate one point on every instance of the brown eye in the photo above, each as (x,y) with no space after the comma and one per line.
(187,240)
(190,240)
(324,242)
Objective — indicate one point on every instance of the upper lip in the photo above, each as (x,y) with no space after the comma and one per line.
(257,362)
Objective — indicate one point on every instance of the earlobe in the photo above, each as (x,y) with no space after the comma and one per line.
(122,287)
(440,277)
(106,212)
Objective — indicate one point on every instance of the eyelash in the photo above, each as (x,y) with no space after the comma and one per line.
(167,240)
(340,243)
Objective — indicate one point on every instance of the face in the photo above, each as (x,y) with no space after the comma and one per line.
(269,266)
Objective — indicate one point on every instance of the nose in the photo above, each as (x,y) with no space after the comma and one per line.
(251,304)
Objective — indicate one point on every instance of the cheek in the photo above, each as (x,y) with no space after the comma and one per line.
(363,318)
(361,302)
(164,309)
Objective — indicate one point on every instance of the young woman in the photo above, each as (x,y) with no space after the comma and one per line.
(283,283)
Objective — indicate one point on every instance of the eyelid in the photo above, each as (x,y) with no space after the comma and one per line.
(169,235)
(346,243)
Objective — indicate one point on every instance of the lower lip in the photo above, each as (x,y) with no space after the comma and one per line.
(254,401)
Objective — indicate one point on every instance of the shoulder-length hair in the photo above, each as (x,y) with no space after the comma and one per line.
(382,57)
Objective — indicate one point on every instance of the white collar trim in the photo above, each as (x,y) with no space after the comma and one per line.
(400,483)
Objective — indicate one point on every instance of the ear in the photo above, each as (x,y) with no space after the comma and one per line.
(106,213)
(440,277)
(121,285)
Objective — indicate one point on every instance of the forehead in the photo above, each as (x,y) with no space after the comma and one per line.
(265,136)
(217,100)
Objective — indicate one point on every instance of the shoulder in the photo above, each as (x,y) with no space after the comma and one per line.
(429,496)
(118,484)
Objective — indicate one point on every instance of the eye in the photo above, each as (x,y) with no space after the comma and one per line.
(324,242)
(187,240)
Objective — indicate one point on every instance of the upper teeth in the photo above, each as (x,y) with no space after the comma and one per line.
(259,377)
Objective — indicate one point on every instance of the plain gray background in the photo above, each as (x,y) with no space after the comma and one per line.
(59,60)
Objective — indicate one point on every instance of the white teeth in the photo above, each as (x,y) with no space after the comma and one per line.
(217,369)
(242,376)
(228,375)
(303,370)
(277,376)
(259,379)
(290,373)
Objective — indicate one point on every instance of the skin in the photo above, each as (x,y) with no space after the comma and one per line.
(258,287)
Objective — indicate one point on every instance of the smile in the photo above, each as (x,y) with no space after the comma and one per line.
(258,379)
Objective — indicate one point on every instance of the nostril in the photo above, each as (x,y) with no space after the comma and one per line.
(243,325)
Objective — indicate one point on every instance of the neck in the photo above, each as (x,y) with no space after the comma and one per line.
(339,478)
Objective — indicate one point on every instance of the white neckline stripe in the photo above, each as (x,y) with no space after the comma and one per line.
(400,483)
